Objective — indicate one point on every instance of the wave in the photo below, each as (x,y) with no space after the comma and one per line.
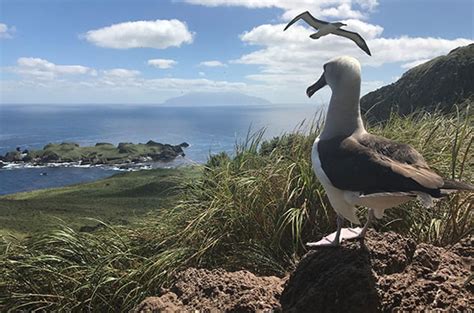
(125,167)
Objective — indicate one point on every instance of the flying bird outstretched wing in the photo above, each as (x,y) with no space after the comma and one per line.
(355,37)
(318,24)
(308,18)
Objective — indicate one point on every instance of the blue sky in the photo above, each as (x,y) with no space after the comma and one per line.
(145,51)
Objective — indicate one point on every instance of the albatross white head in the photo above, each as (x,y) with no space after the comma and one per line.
(343,75)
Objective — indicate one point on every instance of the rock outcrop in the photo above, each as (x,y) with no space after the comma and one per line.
(101,153)
(392,273)
(438,84)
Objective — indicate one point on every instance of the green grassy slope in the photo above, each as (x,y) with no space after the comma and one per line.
(119,199)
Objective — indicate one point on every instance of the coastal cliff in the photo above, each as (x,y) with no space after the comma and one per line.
(439,84)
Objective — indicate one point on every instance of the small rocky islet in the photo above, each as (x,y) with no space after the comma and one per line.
(101,153)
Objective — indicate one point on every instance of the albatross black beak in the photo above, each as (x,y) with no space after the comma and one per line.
(316,86)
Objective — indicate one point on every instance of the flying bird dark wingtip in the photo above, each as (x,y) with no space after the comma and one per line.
(295,19)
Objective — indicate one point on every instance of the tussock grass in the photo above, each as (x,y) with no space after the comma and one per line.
(254,210)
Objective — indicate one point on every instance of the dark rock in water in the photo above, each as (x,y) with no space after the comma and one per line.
(154,143)
(2,164)
(184,144)
(43,174)
(69,144)
(439,84)
(13,156)
(391,274)
(103,144)
(126,147)
(18,149)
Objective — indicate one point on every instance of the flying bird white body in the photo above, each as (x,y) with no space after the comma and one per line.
(326,28)
(359,169)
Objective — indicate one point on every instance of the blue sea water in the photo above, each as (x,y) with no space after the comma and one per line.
(207,129)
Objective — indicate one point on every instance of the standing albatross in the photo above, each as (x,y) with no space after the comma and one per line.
(360,169)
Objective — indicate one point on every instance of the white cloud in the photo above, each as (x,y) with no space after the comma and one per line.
(291,56)
(162,63)
(159,34)
(290,60)
(291,8)
(213,63)
(104,90)
(80,84)
(43,69)
(120,73)
(6,32)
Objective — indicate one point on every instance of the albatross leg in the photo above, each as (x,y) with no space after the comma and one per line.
(331,240)
(360,232)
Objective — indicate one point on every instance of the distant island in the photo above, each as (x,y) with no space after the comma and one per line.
(215,99)
(101,153)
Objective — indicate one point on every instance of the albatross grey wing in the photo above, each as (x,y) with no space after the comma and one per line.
(354,37)
(376,165)
(308,18)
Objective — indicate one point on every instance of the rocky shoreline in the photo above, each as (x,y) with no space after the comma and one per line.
(102,153)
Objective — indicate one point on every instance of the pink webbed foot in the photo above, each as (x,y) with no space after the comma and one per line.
(331,240)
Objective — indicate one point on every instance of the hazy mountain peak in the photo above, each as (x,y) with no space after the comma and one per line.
(215,99)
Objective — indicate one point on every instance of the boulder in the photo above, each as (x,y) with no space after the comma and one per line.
(12,156)
(103,144)
(391,273)
(154,143)
(126,147)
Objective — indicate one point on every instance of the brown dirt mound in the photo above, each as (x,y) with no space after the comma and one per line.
(391,274)
(217,290)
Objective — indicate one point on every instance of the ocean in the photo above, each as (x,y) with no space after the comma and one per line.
(208,130)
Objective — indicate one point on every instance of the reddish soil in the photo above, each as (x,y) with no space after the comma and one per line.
(217,291)
(391,273)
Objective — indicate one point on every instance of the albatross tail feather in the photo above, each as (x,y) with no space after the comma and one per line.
(457,185)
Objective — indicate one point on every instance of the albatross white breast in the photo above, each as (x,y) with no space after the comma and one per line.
(357,168)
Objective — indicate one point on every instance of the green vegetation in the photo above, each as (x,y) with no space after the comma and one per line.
(101,153)
(120,199)
(254,211)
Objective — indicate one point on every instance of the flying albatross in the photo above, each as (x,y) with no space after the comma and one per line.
(326,28)
(360,169)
